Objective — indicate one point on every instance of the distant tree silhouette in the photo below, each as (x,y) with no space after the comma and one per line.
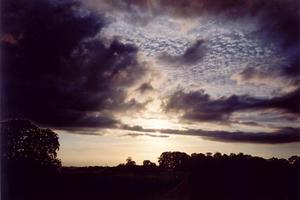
(148,163)
(217,155)
(24,141)
(130,162)
(294,159)
(209,154)
(173,160)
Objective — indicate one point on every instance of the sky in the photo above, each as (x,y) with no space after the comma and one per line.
(118,78)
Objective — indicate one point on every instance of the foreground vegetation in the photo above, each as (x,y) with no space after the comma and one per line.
(31,172)
(199,177)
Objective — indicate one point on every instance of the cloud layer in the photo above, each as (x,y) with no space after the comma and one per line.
(191,55)
(57,73)
(278,18)
(199,106)
(285,75)
(60,70)
(283,135)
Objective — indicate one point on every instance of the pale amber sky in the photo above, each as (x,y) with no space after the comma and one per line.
(113,148)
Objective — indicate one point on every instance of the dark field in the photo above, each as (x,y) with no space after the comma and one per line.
(30,170)
(178,176)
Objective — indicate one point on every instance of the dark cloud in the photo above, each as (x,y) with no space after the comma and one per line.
(198,106)
(146,134)
(249,123)
(251,73)
(57,73)
(292,70)
(288,73)
(81,131)
(282,135)
(192,55)
(145,87)
(135,128)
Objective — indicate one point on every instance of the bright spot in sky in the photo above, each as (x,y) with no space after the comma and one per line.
(157,123)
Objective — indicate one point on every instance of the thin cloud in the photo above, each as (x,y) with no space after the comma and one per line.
(146,134)
(282,135)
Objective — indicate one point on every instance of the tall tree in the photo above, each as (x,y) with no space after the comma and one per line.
(24,141)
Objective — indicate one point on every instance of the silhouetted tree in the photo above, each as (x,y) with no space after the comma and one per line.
(209,154)
(217,155)
(148,163)
(173,160)
(24,141)
(294,159)
(29,160)
(130,162)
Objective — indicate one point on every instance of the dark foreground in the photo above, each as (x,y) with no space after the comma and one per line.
(207,177)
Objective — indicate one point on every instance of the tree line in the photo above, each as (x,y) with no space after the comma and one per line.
(29,158)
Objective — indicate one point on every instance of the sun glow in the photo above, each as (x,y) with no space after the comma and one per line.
(158,123)
(153,123)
